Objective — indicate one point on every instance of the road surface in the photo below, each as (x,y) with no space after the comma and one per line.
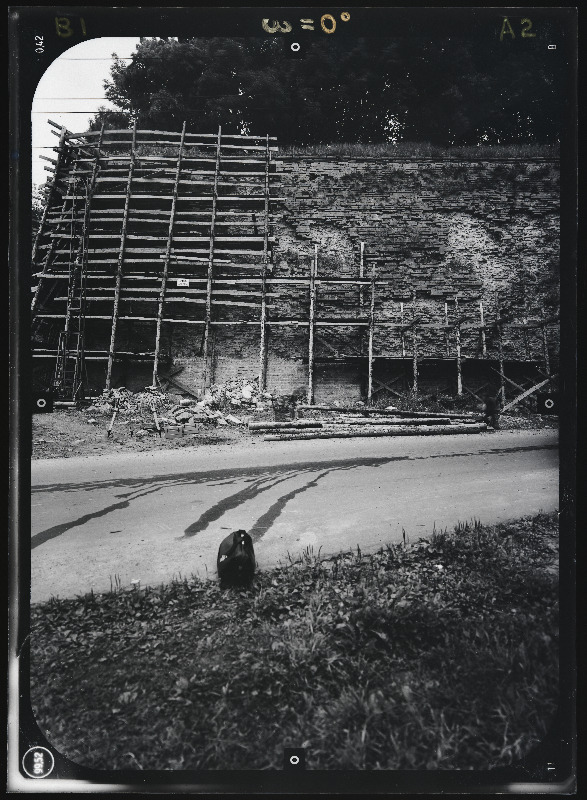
(153,516)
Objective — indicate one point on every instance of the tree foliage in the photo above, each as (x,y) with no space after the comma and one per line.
(445,91)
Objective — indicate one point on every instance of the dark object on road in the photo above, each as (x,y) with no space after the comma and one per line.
(547,403)
(491,411)
(236,559)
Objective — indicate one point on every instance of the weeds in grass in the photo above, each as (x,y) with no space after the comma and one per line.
(437,655)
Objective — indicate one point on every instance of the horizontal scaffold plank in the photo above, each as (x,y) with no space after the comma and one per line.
(172,294)
(135,237)
(185,198)
(138,250)
(127,132)
(64,217)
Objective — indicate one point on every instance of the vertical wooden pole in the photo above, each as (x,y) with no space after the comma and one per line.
(361,272)
(500,354)
(43,222)
(121,257)
(415,346)
(167,258)
(74,263)
(525,321)
(83,261)
(545,353)
(206,372)
(403,334)
(483,341)
(458,346)
(361,297)
(446,332)
(263,323)
(371,331)
(312,316)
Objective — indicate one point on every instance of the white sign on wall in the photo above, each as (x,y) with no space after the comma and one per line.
(183,282)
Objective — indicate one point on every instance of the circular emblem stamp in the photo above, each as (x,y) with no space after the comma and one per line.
(38,762)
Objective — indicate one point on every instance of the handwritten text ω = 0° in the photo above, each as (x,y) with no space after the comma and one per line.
(327,23)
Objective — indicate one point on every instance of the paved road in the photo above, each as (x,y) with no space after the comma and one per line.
(152,516)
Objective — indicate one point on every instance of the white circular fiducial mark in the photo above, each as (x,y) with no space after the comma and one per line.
(295,47)
(294,760)
(38,762)
(549,403)
(41,403)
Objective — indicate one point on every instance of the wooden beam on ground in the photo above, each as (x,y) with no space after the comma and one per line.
(206,372)
(167,257)
(528,392)
(311,325)
(121,259)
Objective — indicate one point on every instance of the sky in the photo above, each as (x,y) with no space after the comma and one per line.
(71,91)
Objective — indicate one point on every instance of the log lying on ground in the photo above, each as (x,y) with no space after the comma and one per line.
(270,426)
(389,421)
(415,430)
(391,413)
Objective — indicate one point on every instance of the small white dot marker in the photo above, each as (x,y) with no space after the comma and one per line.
(552,47)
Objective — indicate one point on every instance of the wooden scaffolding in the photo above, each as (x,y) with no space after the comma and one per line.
(177,228)
(155,227)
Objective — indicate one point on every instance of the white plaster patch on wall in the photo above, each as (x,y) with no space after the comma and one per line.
(469,242)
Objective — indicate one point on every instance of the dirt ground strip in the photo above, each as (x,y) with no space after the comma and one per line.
(66,433)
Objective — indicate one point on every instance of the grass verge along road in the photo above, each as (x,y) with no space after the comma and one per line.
(437,655)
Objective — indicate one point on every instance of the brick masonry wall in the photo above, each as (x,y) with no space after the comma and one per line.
(479,229)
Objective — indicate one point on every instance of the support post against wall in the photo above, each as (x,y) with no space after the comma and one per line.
(483,342)
(167,257)
(371,331)
(205,374)
(500,352)
(121,258)
(311,326)
(446,332)
(415,346)
(361,272)
(43,222)
(458,346)
(82,258)
(545,354)
(263,323)
(403,336)
(525,332)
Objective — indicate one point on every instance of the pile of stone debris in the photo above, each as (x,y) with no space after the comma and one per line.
(216,407)
(126,402)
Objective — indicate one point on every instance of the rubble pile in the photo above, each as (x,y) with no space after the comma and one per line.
(222,404)
(238,394)
(127,402)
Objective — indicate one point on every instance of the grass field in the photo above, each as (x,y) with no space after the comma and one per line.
(440,654)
